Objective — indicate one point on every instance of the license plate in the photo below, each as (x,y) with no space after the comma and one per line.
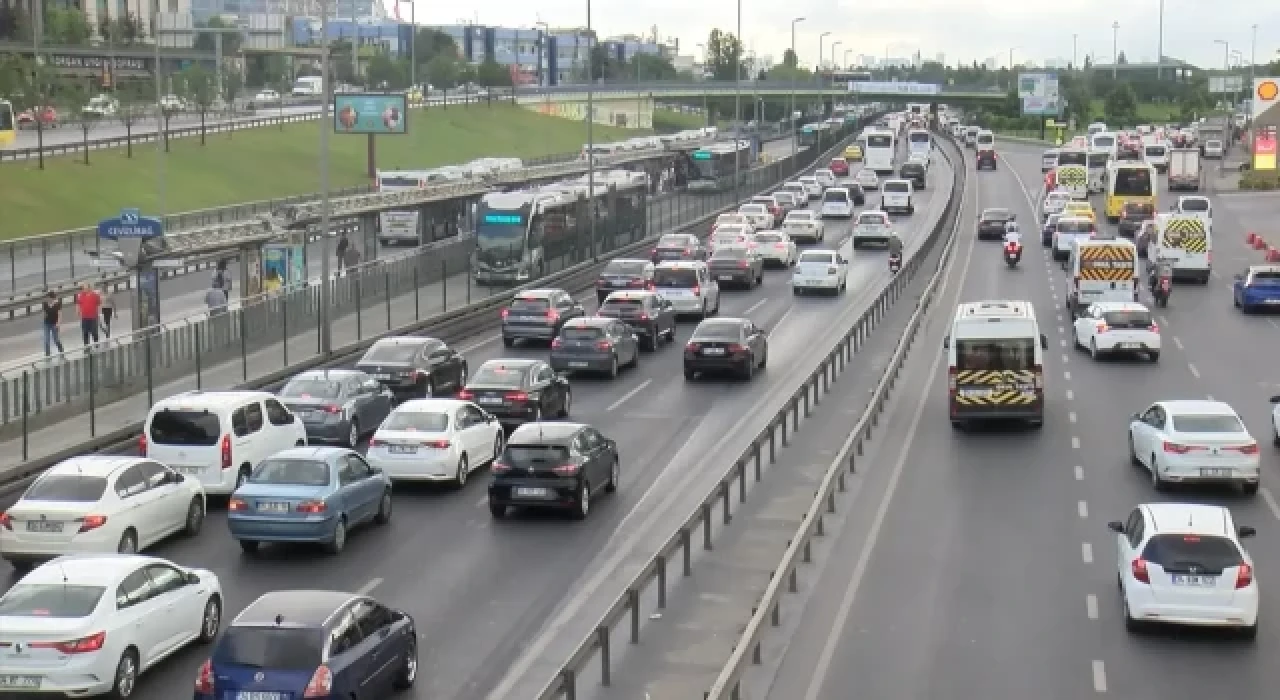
(1272,301)
(1215,472)
(382,377)
(1194,580)
(975,393)
(579,364)
(23,682)
(44,526)
(273,507)
(1131,346)
(530,492)
(725,278)
(258,695)
(490,400)
(402,449)
(713,351)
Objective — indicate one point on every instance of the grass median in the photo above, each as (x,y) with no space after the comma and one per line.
(267,162)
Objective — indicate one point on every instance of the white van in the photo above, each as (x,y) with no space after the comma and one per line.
(995,363)
(895,196)
(1186,242)
(308,86)
(1105,141)
(688,286)
(1095,128)
(218,437)
(1157,156)
(1101,271)
(837,202)
(825,177)
(985,140)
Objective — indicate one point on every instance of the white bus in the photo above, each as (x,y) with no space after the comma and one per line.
(309,86)
(919,141)
(402,227)
(878,154)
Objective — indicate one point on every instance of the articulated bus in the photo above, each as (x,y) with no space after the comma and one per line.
(8,127)
(1130,182)
(811,134)
(404,227)
(717,167)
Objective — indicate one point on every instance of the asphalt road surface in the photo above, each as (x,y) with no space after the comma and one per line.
(113,128)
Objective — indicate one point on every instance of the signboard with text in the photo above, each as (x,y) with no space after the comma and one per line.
(1264,113)
(99,62)
(1264,148)
(1039,95)
(894,88)
(370,113)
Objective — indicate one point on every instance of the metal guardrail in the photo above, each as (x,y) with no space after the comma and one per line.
(777,434)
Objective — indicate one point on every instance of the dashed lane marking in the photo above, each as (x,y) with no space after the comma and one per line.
(1070,395)
(1091,606)
(1065,359)
(1099,677)
(1086,552)
(623,399)
(1177,342)
(1075,442)
(1194,372)
(367,588)
(756,305)
(1066,376)
(1062,342)
(1163,321)
(1079,470)
(1273,323)
(1071,416)
(1082,508)
(479,343)
(1270,499)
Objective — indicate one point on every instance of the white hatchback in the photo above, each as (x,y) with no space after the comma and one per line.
(820,270)
(758,214)
(435,440)
(867,179)
(837,202)
(1183,564)
(1118,327)
(776,247)
(1194,441)
(825,177)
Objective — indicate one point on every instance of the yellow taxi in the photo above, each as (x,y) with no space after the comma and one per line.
(1084,209)
(853,152)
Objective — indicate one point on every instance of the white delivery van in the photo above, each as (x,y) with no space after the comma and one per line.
(1101,271)
(895,196)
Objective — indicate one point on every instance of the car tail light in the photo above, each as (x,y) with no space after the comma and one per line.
(506,313)
(83,645)
(1155,327)
(320,685)
(1038,372)
(1175,448)
(92,522)
(204,678)
(6,521)
(565,470)
(374,442)
(333,408)
(599,283)
(643,317)
(311,507)
(655,250)
(1244,575)
(499,468)
(1208,257)
(636,283)
(226,451)
(553,315)
(1101,327)
(737,349)
(466,395)
(780,246)
(744,264)
(693,347)
(237,504)
(142,445)
(437,444)
(557,343)
(650,286)
(604,345)
(951,380)
(1250,449)
(516,396)
(697,289)
(1139,569)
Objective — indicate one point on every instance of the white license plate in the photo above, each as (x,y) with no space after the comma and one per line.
(1194,580)
(725,278)
(1131,346)
(579,364)
(976,393)
(382,377)
(22,682)
(1215,472)
(273,507)
(490,400)
(258,695)
(530,492)
(402,449)
(713,351)
(188,471)
(44,526)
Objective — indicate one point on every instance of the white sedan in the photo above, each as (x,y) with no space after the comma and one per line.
(867,179)
(805,224)
(825,177)
(776,247)
(90,624)
(1118,327)
(435,440)
(820,270)
(1194,441)
(811,186)
(1183,564)
(758,214)
(100,503)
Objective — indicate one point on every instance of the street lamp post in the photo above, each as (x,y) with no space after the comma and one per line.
(795,72)
(1160,44)
(326,338)
(542,51)
(818,67)
(1226,53)
(1012,80)
(1253,57)
(833,53)
(737,101)
(1115,49)
(591,152)
(846,58)
(1075,47)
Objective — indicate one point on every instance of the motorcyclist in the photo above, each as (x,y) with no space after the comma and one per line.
(1012,235)
(895,244)
(1163,269)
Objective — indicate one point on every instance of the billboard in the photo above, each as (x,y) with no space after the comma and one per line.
(1039,94)
(1264,148)
(1265,92)
(894,88)
(1225,84)
(1264,115)
(370,113)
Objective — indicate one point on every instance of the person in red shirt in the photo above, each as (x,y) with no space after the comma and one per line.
(89,302)
(1050,180)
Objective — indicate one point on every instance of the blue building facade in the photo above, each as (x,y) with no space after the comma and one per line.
(390,34)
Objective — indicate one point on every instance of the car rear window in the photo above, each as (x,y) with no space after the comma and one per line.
(193,428)
(624,267)
(680,279)
(871,219)
(276,648)
(752,209)
(526,455)
(312,389)
(800,216)
(996,215)
(1207,424)
(62,600)
(718,332)
(581,333)
(835,196)
(68,488)
(1128,319)
(501,376)
(622,304)
(391,352)
(1208,554)
(1135,210)
(1195,205)
(1075,227)
(898,187)
(418,421)
(673,241)
(530,304)
(768,238)
(817,257)
(1266,277)
(291,472)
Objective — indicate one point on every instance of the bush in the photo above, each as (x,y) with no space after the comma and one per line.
(1260,180)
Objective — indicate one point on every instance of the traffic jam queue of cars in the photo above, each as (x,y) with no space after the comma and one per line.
(92,613)
(1177,563)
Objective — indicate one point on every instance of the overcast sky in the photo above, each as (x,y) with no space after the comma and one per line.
(967,30)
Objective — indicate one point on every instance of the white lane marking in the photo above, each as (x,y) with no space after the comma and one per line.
(1270,499)
(1059,318)
(1209,397)
(1079,470)
(1099,677)
(1071,416)
(623,399)
(1177,341)
(1062,342)
(1273,323)
(1061,329)
(1194,372)
(1075,442)
(480,343)
(778,325)
(1070,395)
(1082,508)
(1163,321)
(1086,552)
(1066,376)
(1065,359)
(1091,606)
(367,588)
(755,306)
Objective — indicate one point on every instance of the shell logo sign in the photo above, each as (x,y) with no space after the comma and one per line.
(1266,96)
(1267,90)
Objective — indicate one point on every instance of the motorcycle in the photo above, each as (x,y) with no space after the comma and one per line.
(1160,283)
(895,262)
(1012,254)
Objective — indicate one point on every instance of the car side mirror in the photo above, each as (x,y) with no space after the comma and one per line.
(1136,416)
(946,341)
(562,375)
(1044,341)
(375,471)
(192,579)
(1116,526)
(1238,278)
(1246,531)
(1274,399)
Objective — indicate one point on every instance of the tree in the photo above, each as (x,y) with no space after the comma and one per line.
(492,74)
(1196,101)
(207,41)
(442,71)
(382,72)
(135,101)
(1121,105)
(199,87)
(647,66)
(27,85)
(1121,60)
(790,59)
(76,94)
(232,84)
(724,56)
(603,64)
(66,27)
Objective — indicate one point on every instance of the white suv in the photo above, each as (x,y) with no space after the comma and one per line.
(1116,327)
(895,196)
(1183,564)
(689,287)
(218,437)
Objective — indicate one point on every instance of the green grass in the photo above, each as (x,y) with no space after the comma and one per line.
(671,120)
(256,164)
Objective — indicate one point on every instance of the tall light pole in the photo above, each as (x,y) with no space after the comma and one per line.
(1012,80)
(543,28)
(1075,48)
(737,100)
(1253,56)
(413,48)
(1226,53)
(160,123)
(1160,44)
(706,110)
(326,338)
(834,44)
(591,117)
(1115,48)
(795,73)
(818,67)
(846,58)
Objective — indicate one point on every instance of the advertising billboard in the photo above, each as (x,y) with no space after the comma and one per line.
(370,113)
(1264,113)
(1039,94)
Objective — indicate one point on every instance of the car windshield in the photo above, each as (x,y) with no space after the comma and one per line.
(730,254)
(683,278)
(192,428)
(817,258)
(1127,319)
(276,648)
(581,333)
(53,600)
(291,472)
(391,352)
(417,421)
(898,187)
(718,332)
(1181,553)
(1207,424)
(499,375)
(624,267)
(312,388)
(800,216)
(67,488)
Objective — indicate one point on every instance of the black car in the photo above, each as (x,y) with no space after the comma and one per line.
(991,223)
(986,159)
(738,266)
(415,367)
(623,273)
(337,405)
(1132,216)
(1047,231)
(916,173)
(858,194)
(538,314)
(650,315)
(595,345)
(518,391)
(679,246)
(553,465)
(733,345)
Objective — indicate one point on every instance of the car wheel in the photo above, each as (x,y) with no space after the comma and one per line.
(126,678)
(497,510)
(1154,356)
(1157,482)
(1249,488)
(384,509)
(508,342)
(689,375)
(568,404)
(749,370)
(615,476)
(583,502)
(429,388)
(250,546)
(195,517)
(460,476)
(1249,633)
(128,543)
(703,316)
(339,541)
(649,343)
(210,621)
(1133,453)
(1130,623)
(764,358)
(1093,348)
(353,434)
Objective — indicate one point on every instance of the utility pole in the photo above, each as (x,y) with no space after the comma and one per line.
(591,116)
(1160,44)
(737,102)
(795,73)
(817,68)
(413,48)
(1115,49)
(1075,45)
(161,138)
(1253,58)
(326,339)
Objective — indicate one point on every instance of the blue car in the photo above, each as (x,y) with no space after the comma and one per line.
(1257,288)
(308,494)
(320,645)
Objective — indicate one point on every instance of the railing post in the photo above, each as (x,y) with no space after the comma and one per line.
(26,409)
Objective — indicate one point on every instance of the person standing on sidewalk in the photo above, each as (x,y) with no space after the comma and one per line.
(108,310)
(341,250)
(89,302)
(52,308)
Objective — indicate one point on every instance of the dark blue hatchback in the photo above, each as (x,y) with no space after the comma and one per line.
(313,645)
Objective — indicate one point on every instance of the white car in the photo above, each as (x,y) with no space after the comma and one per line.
(872,227)
(1118,327)
(820,271)
(1183,564)
(100,503)
(837,202)
(1194,441)
(101,106)
(89,625)
(867,179)
(798,189)
(811,187)
(1213,149)
(895,196)
(1054,203)
(689,286)
(268,96)
(1049,160)
(435,440)
(731,235)
(731,219)
(758,214)
(776,247)
(805,225)
(825,177)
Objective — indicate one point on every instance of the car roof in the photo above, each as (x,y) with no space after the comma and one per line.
(545,432)
(336,374)
(293,609)
(538,293)
(1189,518)
(430,404)
(316,453)
(95,465)
(589,322)
(211,399)
(1200,407)
(719,321)
(1082,219)
(520,363)
(104,568)
(1120,306)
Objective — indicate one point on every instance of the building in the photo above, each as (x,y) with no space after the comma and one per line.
(940,59)
(386,34)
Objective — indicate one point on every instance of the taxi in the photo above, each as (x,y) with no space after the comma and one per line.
(853,153)
(1084,209)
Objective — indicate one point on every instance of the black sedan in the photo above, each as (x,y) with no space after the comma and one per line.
(518,391)
(649,315)
(415,367)
(679,246)
(337,405)
(595,345)
(986,159)
(537,315)
(733,345)
(1132,216)
(736,265)
(1047,231)
(991,223)
(553,465)
(916,173)
(623,273)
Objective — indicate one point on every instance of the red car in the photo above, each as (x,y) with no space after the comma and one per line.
(839,167)
(48,118)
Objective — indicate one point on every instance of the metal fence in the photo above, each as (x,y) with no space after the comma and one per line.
(89,398)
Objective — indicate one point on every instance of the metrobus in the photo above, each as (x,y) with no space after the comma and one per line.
(845,78)
(8,128)
(717,167)
(405,226)
(919,141)
(1129,182)
(813,134)
(879,152)
(519,233)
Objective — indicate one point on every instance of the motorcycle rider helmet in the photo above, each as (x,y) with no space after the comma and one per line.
(1011,227)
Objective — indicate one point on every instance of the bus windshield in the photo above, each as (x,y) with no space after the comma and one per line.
(999,354)
(1072,158)
(1104,142)
(499,229)
(1131,182)
(918,137)
(879,141)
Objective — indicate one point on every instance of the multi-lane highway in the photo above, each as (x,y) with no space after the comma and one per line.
(978,565)
(483,592)
(70,134)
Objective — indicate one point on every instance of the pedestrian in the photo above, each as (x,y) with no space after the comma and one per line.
(89,302)
(52,307)
(350,258)
(343,245)
(222,278)
(216,299)
(108,310)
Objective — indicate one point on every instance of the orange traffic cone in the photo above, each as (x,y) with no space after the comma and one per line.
(1259,244)
(1250,238)
(1273,255)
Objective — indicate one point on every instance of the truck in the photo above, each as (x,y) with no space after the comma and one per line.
(1214,129)
(1184,169)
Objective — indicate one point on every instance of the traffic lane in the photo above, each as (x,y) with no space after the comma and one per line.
(72,134)
(945,608)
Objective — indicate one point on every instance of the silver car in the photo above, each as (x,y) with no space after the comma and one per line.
(337,405)
(595,345)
